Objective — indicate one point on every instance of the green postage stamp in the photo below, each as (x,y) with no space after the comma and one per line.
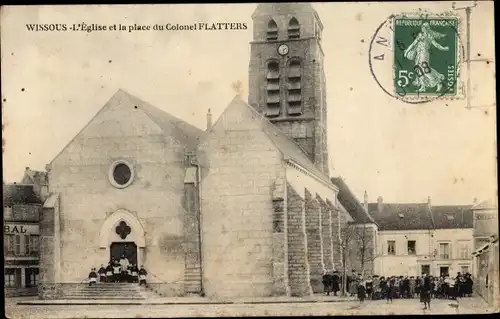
(426,56)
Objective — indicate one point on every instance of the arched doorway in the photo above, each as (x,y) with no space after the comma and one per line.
(126,249)
(123,234)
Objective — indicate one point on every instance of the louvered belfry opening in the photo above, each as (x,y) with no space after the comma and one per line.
(272,31)
(294,96)
(293,29)
(273,89)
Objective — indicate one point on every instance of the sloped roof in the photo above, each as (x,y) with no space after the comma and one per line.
(172,126)
(180,130)
(283,8)
(487,204)
(19,194)
(288,147)
(452,217)
(413,216)
(353,206)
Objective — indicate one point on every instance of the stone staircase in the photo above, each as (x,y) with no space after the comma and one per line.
(108,291)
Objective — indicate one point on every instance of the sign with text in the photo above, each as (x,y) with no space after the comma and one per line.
(14,229)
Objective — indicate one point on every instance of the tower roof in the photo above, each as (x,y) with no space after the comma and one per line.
(264,9)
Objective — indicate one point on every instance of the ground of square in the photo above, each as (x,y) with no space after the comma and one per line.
(381,307)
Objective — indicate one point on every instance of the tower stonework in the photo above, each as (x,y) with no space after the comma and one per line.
(286,75)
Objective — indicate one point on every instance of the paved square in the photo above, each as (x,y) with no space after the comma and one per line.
(466,306)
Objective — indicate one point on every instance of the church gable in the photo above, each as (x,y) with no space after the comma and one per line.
(126,117)
(237,117)
(118,119)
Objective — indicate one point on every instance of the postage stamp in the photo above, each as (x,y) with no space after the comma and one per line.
(425,56)
(416,57)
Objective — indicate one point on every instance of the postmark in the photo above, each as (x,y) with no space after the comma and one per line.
(416,57)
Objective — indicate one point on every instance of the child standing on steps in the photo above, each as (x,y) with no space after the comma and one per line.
(142,276)
(92,277)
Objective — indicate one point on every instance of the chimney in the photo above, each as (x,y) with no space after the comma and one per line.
(209,120)
(380,204)
(474,200)
(365,202)
(429,203)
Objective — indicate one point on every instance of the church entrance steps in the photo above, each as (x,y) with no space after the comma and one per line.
(193,300)
(107,291)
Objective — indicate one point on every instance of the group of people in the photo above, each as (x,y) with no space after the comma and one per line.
(377,288)
(118,271)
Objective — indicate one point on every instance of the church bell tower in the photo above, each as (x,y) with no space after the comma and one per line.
(286,75)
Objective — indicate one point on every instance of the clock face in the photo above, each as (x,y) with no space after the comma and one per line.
(283,49)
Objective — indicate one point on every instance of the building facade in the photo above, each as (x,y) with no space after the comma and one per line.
(485,264)
(22,208)
(243,208)
(421,238)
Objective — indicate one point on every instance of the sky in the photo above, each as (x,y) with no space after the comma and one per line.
(53,83)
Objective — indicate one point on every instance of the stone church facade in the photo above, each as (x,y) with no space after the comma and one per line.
(243,208)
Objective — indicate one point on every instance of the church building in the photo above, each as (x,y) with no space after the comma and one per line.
(244,208)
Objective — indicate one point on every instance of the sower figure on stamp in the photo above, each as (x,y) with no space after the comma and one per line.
(419,52)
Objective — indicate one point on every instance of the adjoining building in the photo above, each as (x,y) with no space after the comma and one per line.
(486,273)
(22,208)
(417,238)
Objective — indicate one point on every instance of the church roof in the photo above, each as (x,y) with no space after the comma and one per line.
(180,130)
(290,150)
(19,194)
(352,205)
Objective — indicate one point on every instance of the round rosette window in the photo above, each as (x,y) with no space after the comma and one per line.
(121,174)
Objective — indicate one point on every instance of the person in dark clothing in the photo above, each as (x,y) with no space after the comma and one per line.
(406,288)
(135,273)
(418,284)
(391,288)
(92,277)
(468,285)
(369,287)
(109,273)
(327,283)
(102,274)
(116,271)
(361,290)
(383,288)
(426,292)
(142,276)
(335,282)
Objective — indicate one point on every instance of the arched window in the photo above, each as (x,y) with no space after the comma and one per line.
(272,30)
(293,29)
(294,79)
(273,88)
